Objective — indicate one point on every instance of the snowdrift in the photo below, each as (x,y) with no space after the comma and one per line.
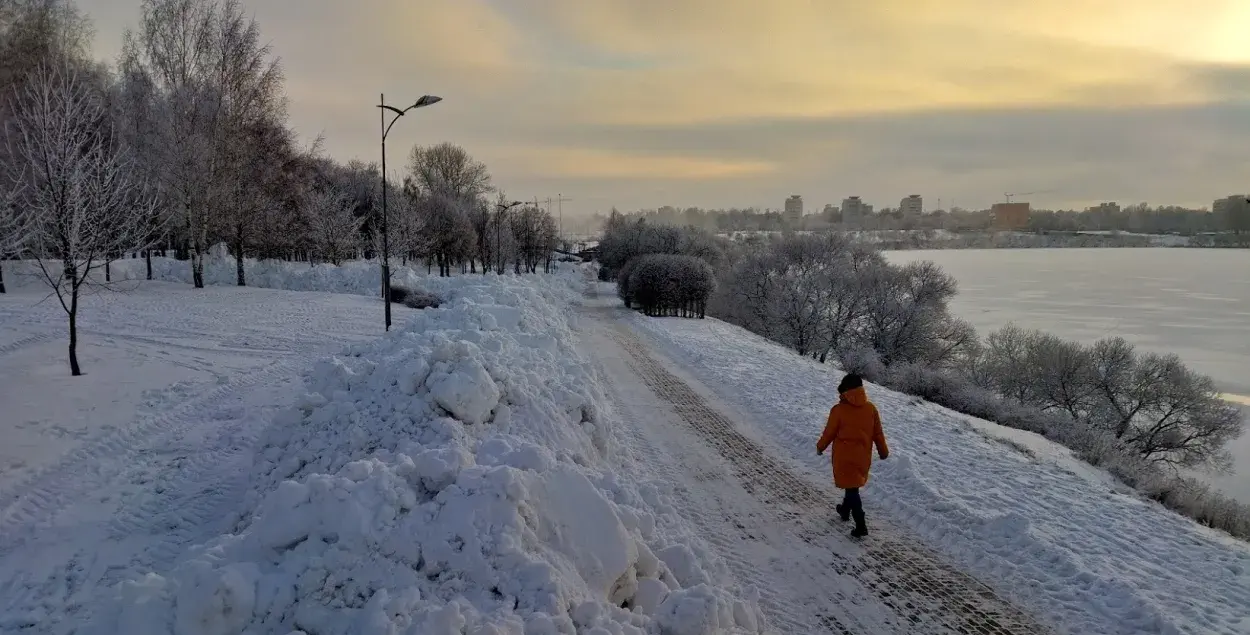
(449,478)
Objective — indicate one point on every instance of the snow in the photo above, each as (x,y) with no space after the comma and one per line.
(1058,536)
(499,465)
(454,476)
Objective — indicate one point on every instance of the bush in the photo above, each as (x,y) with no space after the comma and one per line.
(625,239)
(1091,444)
(399,294)
(419,299)
(1151,403)
(622,282)
(668,285)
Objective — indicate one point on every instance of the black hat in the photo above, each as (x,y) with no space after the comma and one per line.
(850,382)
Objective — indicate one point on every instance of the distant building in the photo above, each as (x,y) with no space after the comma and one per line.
(1233,212)
(794,208)
(830,210)
(912,206)
(1106,209)
(854,211)
(1009,216)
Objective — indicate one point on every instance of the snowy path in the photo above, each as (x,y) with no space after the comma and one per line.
(129,484)
(775,528)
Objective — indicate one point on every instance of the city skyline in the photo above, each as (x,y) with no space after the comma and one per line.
(638,104)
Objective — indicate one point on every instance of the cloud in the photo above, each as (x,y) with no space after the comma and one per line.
(742,102)
(592,163)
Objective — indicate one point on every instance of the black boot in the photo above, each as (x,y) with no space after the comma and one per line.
(843,512)
(861,527)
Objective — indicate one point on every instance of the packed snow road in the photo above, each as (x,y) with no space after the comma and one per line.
(104,475)
(774,527)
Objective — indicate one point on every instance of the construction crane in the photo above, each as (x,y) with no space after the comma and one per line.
(1008,196)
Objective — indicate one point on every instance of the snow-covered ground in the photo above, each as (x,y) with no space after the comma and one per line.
(525,460)
(454,476)
(117,470)
(1051,533)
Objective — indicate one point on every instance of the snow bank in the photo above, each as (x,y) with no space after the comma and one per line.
(356,277)
(448,478)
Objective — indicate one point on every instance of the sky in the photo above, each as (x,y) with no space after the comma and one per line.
(738,103)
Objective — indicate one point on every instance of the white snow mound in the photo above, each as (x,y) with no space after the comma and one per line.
(449,478)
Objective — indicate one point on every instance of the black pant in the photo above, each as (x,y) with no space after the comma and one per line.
(851,502)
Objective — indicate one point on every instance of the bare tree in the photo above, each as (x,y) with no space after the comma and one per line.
(82,183)
(1059,375)
(335,227)
(447,169)
(1159,407)
(138,113)
(14,230)
(447,229)
(480,217)
(217,78)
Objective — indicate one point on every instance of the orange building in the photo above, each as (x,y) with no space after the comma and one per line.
(1009,216)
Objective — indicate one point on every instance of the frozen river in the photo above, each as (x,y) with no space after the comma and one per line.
(1192,302)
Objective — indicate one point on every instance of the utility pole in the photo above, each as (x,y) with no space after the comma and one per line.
(560,206)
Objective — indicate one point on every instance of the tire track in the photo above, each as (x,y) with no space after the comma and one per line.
(17,345)
(33,501)
(825,600)
(933,596)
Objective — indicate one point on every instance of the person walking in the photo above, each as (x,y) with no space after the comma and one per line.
(853,428)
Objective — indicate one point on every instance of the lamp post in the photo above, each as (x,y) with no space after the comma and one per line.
(426,100)
(503,211)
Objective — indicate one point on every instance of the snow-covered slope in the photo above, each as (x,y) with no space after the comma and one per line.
(1056,535)
(448,478)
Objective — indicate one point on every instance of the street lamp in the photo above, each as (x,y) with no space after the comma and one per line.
(426,100)
(503,211)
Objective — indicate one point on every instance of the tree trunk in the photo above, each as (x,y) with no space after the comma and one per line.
(74,369)
(108,269)
(2,277)
(240,276)
(197,268)
(147,257)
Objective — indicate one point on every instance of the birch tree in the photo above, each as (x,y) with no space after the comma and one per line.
(81,185)
(207,60)
(335,227)
(14,232)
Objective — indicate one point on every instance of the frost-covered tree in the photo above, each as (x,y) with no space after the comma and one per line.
(1161,408)
(137,114)
(669,285)
(905,308)
(14,231)
(335,227)
(448,170)
(216,77)
(80,185)
(447,230)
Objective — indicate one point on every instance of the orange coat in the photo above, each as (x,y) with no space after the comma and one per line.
(854,426)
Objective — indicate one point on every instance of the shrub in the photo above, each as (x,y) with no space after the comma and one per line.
(420,299)
(399,294)
(1151,403)
(622,282)
(1094,445)
(665,284)
(625,239)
